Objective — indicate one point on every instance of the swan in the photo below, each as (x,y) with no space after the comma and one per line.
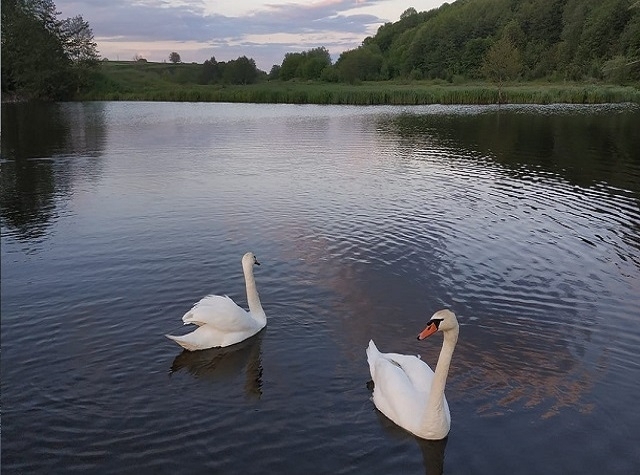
(407,391)
(221,322)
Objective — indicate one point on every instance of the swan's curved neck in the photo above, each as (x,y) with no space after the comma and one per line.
(253,299)
(434,411)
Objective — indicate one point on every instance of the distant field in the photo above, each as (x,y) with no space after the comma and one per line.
(135,81)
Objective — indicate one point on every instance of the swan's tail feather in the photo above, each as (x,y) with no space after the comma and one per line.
(182,341)
(372,355)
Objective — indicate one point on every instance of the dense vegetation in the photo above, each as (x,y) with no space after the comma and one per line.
(532,50)
(179,82)
(552,39)
(44,57)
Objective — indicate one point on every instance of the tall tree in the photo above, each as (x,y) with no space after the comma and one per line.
(174,57)
(34,63)
(211,72)
(502,63)
(290,65)
(43,57)
(80,48)
(240,71)
(361,64)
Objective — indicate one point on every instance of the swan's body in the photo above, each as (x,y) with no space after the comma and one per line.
(221,322)
(407,391)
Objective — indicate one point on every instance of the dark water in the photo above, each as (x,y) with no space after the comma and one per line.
(116,217)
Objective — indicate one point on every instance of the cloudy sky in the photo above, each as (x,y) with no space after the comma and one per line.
(258,29)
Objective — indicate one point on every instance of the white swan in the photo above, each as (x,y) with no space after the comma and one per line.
(221,322)
(405,388)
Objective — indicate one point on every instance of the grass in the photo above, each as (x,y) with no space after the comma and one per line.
(120,81)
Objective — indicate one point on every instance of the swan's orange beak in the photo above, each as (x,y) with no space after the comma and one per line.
(428,331)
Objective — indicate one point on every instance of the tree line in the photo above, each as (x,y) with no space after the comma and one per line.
(43,56)
(499,40)
(573,40)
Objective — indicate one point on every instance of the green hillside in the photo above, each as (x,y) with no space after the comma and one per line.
(469,51)
(552,39)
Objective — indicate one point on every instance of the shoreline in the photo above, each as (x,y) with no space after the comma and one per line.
(376,93)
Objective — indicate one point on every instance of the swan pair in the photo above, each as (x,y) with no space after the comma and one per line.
(405,390)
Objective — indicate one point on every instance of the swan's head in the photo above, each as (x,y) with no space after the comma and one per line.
(443,320)
(249,259)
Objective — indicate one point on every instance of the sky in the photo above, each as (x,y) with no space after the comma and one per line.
(263,30)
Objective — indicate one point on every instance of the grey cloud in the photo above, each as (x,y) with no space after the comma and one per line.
(146,22)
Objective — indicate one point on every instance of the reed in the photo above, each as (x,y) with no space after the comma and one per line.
(374,93)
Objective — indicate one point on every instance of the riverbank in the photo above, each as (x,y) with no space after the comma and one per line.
(371,93)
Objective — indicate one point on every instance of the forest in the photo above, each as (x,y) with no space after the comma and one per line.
(574,40)
(501,41)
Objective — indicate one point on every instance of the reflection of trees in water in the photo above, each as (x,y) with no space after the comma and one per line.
(27,191)
(589,148)
(41,144)
(225,364)
(585,148)
(509,369)
(498,368)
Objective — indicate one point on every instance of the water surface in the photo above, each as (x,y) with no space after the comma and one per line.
(117,217)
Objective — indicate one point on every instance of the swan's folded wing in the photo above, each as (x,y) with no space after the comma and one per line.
(419,373)
(395,395)
(221,313)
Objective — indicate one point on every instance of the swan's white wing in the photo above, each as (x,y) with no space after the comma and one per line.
(221,313)
(418,372)
(401,386)
(395,396)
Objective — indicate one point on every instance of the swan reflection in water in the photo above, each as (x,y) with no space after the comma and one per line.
(224,364)
(432,450)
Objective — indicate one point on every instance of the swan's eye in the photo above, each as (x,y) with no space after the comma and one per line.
(436,321)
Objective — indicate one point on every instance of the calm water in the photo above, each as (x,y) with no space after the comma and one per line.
(116,217)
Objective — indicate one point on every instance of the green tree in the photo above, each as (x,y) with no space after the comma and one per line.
(275,72)
(34,63)
(361,64)
(80,48)
(240,71)
(314,61)
(44,57)
(174,57)
(290,65)
(502,63)
(408,12)
(210,72)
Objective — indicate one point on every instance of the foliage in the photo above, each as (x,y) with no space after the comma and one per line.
(305,65)
(275,72)
(127,80)
(211,72)
(502,63)
(361,64)
(44,57)
(78,42)
(240,71)
(555,39)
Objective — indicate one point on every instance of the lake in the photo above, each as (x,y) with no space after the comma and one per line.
(117,217)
